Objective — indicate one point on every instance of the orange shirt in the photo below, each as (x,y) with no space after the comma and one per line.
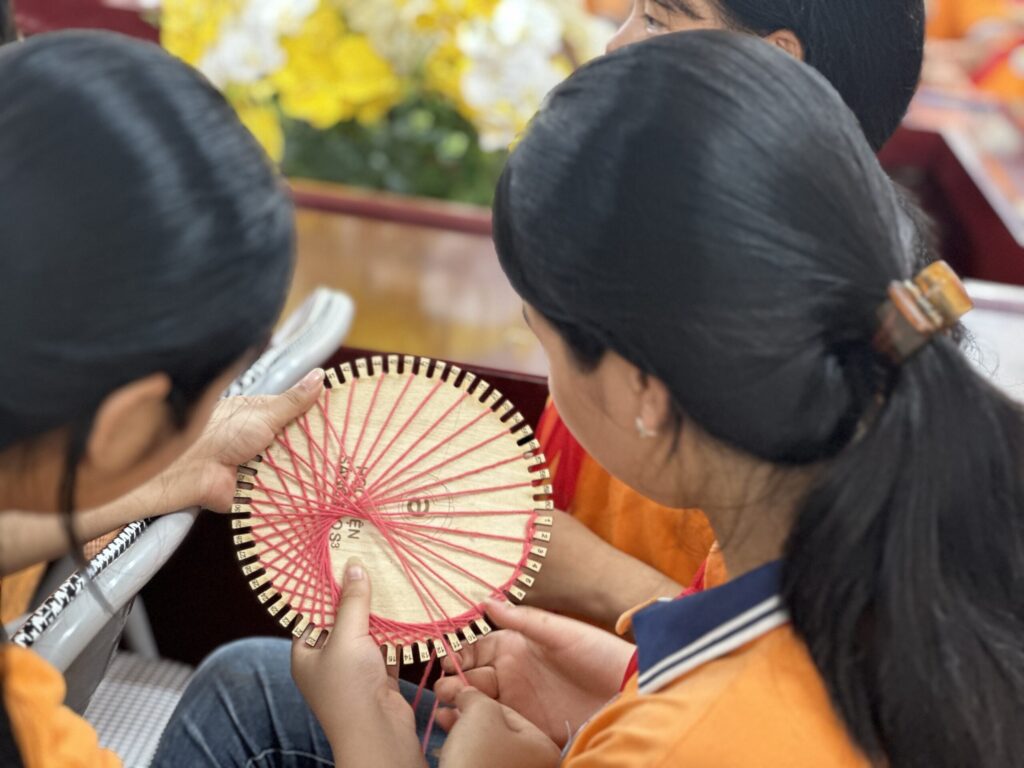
(952,19)
(49,735)
(673,541)
(16,590)
(723,681)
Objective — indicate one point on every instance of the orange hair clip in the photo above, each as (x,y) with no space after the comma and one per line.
(916,310)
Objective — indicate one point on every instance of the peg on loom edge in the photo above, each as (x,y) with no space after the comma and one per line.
(439,650)
(300,627)
(251,568)
(408,361)
(287,619)
(407,657)
(482,627)
(259,581)
(543,490)
(345,372)
(245,554)
(469,634)
(425,367)
(538,550)
(245,477)
(266,595)
(392,364)
(275,608)
(533,565)
(332,378)
(542,535)
(517,593)
(361,368)
(526,579)
(453,641)
(243,538)
(241,522)
(424,653)
(377,365)
(468,381)
(314,636)
(492,399)
(391,655)
(453,373)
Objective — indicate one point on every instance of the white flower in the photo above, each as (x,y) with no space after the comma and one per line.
(241,57)
(527,21)
(280,17)
(249,48)
(512,67)
(391,29)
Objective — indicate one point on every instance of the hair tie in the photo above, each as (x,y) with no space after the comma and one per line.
(916,310)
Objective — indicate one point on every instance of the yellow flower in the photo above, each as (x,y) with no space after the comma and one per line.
(446,15)
(188,28)
(443,71)
(333,74)
(263,122)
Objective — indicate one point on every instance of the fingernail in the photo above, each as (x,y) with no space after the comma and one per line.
(493,602)
(313,379)
(355,572)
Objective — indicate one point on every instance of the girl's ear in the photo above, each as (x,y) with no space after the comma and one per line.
(655,403)
(130,426)
(787,40)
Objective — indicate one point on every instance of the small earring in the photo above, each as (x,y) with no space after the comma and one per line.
(642,429)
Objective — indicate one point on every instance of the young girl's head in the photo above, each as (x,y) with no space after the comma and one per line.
(704,258)
(870,50)
(147,248)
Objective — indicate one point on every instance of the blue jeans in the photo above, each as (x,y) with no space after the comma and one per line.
(242,710)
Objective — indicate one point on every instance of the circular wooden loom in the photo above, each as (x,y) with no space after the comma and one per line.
(426,473)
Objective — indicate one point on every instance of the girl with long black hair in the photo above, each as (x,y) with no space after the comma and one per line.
(871,52)
(147,249)
(709,252)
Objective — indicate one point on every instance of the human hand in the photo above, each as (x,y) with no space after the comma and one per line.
(348,687)
(552,670)
(239,429)
(488,733)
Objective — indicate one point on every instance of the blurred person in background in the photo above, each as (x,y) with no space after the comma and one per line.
(976,46)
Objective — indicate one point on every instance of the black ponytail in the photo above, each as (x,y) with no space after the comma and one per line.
(734,236)
(905,571)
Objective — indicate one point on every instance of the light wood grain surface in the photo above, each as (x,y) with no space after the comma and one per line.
(417,291)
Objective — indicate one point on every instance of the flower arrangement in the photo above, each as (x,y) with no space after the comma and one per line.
(421,97)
